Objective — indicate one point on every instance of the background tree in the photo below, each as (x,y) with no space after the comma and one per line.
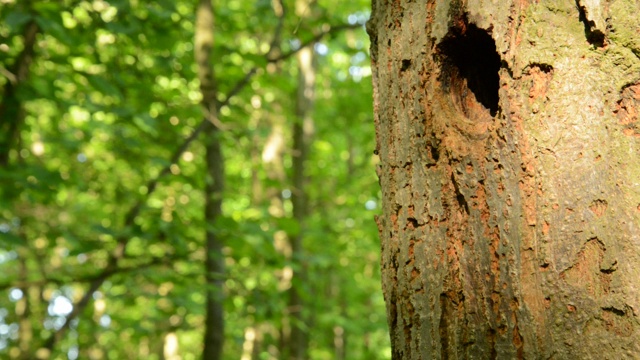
(103,228)
(508,138)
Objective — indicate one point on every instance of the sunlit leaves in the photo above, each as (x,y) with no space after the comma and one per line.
(111,95)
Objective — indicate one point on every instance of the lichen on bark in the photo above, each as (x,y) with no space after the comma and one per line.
(508,229)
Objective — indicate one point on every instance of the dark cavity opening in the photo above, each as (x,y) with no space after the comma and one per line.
(405,65)
(470,52)
(614,310)
(435,154)
(594,36)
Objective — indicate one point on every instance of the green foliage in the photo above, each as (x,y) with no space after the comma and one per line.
(111,95)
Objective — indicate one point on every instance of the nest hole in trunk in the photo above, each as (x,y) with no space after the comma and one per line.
(470,62)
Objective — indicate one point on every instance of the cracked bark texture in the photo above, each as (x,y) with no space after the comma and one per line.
(508,134)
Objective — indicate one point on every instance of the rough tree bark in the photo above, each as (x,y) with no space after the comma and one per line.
(508,136)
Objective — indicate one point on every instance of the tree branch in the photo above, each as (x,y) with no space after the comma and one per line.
(237,88)
(62,280)
(315,39)
(96,282)
(153,183)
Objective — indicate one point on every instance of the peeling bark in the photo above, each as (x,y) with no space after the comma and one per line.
(508,144)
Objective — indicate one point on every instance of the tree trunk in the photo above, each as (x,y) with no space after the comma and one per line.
(508,138)
(302,134)
(214,263)
(296,346)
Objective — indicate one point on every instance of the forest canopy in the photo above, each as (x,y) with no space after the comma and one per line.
(109,125)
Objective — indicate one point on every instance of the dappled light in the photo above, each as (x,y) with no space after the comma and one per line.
(187,181)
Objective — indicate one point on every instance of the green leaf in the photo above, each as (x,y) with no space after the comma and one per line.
(289,225)
(9,240)
(54,28)
(147,124)
(42,87)
(17,19)
(102,85)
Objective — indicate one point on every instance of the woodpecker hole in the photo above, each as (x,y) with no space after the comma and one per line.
(470,62)
(405,64)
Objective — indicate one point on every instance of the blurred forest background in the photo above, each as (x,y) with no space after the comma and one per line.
(125,233)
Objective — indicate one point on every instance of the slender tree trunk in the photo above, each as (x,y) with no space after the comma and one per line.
(214,263)
(508,137)
(214,332)
(296,340)
(302,134)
